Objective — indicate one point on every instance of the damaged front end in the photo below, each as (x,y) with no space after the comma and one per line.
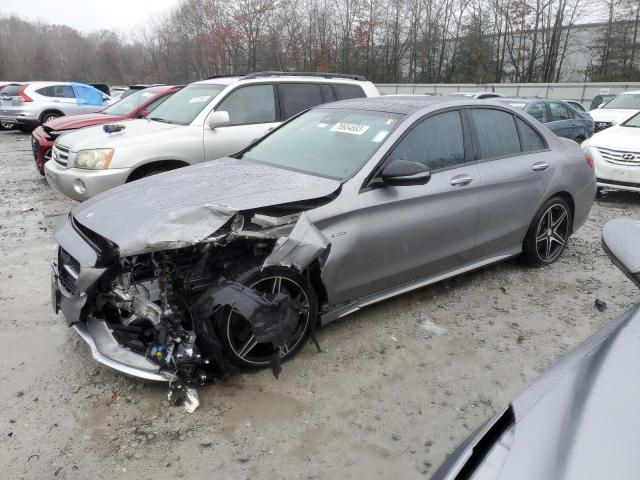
(153,314)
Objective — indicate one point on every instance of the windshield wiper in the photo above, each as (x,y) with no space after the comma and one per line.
(157,119)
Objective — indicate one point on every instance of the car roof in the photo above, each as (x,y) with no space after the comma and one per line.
(284,77)
(164,88)
(401,104)
(631,92)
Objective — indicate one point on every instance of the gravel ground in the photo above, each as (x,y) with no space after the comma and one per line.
(388,398)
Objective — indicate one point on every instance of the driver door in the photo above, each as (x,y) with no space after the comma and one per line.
(252,113)
(413,231)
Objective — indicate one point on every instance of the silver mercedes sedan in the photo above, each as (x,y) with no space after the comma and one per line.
(230,265)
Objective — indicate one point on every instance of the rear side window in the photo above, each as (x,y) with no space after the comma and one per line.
(496,133)
(345,92)
(327,93)
(62,91)
(539,112)
(296,97)
(45,91)
(530,139)
(437,142)
(559,112)
(248,105)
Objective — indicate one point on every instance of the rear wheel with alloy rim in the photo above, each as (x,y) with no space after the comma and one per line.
(548,233)
(49,116)
(6,126)
(234,331)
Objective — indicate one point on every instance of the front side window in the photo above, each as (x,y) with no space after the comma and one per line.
(559,112)
(129,104)
(627,101)
(437,142)
(539,111)
(332,143)
(296,97)
(496,133)
(249,105)
(184,106)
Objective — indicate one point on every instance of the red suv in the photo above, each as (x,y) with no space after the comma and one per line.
(136,105)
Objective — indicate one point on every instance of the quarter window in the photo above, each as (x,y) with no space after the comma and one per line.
(252,104)
(530,139)
(45,91)
(345,92)
(559,112)
(539,112)
(296,97)
(496,132)
(437,142)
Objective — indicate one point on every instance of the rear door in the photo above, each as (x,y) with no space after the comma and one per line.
(563,122)
(413,231)
(64,99)
(515,171)
(252,112)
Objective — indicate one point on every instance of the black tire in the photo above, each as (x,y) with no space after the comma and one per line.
(234,332)
(579,139)
(6,126)
(49,116)
(25,128)
(149,172)
(548,233)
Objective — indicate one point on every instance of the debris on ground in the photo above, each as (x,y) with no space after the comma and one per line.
(427,326)
(600,305)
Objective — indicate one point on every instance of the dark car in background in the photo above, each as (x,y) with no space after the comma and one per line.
(137,105)
(580,420)
(557,115)
(600,100)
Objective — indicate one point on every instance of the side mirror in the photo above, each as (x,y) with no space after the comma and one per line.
(143,113)
(620,240)
(218,119)
(402,172)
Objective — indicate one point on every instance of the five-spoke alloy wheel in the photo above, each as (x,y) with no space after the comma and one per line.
(548,233)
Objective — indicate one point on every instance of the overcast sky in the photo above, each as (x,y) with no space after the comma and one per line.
(88,15)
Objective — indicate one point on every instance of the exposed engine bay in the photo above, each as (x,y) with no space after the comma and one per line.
(163,305)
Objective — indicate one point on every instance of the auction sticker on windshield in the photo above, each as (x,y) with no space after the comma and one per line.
(351,128)
(203,98)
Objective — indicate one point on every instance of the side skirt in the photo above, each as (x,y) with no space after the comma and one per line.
(343,310)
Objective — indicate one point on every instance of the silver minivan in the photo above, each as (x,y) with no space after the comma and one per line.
(204,121)
(31,104)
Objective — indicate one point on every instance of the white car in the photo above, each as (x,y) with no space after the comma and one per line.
(616,110)
(476,95)
(204,121)
(616,155)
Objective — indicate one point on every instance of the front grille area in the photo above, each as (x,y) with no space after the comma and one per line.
(598,126)
(60,155)
(68,270)
(620,157)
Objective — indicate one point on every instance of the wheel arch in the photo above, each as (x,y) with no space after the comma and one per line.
(569,199)
(50,110)
(146,167)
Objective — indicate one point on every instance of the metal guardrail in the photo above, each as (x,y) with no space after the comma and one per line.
(581,92)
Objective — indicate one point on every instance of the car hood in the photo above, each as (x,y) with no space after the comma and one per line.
(611,115)
(184,206)
(135,132)
(576,422)
(80,121)
(617,138)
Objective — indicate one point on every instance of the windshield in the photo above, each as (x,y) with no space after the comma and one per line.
(184,106)
(326,142)
(633,121)
(627,101)
(130,103)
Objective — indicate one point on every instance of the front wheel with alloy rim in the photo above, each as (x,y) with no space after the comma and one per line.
(234,331)
(548,233)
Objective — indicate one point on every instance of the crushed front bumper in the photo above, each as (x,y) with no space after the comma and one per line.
(97,334)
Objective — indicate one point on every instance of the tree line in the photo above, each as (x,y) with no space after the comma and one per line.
(422,41)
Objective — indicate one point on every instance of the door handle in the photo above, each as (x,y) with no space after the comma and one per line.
(55,101)
(540,167)
(461,180)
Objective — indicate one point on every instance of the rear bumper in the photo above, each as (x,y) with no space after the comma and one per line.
(95,181)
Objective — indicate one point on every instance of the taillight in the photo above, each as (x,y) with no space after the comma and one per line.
(23,96)
(589,159)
